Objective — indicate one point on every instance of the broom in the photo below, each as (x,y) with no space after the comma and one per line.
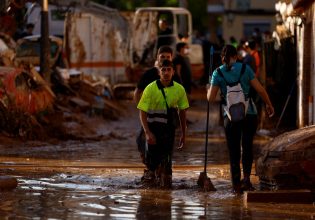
(203,180)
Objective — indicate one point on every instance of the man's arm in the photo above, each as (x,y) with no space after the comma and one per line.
(148,134)
(137,95)
(182,118)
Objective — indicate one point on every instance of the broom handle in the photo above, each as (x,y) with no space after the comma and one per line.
(206,145)
(208,110)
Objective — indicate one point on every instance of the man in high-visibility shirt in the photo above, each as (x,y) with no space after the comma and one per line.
(156,101)
(150,75)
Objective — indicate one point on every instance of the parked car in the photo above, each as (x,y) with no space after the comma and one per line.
(28,50)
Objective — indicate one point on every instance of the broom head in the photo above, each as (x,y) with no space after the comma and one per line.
(205,182)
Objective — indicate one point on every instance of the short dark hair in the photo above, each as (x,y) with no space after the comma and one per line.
(180,45)
(166,63)
(165,49)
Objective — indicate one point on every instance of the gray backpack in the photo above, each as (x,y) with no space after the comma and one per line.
(236,103)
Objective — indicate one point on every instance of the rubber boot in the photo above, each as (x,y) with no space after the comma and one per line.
(166,181)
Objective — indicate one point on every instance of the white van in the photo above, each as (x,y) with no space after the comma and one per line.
(56,18)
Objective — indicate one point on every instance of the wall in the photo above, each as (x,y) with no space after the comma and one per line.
(306,56)
(238,15)
(258,4)
(309,63)
(236,27)
(313,63)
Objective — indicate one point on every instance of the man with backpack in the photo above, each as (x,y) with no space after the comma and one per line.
(234,79)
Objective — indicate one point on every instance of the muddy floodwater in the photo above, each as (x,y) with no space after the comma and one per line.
(100,179)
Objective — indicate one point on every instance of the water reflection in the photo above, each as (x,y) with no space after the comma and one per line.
(54,184)
(52,202)
(155,205)
(166,204)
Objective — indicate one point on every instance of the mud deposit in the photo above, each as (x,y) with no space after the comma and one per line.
(100,179)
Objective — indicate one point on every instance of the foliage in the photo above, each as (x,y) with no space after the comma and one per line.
(200,16)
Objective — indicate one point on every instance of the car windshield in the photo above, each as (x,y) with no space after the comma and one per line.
(32,49)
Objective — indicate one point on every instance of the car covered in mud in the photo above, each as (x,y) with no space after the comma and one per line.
(287,162)
(28,50)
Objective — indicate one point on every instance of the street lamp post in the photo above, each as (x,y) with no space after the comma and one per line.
(44,43)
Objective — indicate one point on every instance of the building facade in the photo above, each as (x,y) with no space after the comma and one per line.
(292,28)
(303,17)
(242,18)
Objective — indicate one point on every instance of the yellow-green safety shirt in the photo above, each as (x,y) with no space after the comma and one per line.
(153,103)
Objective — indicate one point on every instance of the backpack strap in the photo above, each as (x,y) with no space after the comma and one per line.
(159,84)
(238,81)
(223,100)
(220,73)
(242,70)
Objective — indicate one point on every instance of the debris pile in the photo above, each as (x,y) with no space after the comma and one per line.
(32,108)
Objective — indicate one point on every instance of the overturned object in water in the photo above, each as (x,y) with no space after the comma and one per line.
(287,162)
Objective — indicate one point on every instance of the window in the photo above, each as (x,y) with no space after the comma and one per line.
(242,5)
(250,26)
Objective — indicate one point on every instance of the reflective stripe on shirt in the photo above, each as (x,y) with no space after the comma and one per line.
(162,111)
(157,116)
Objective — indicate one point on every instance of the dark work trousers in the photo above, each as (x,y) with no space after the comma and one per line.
(240,134)
(161,153)
(141,142)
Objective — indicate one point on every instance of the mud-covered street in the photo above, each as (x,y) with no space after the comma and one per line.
(100,179)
